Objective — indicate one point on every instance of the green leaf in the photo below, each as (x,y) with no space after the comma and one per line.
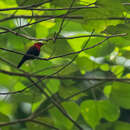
(41,31)
(6,107)
(108,110)
(19,86)
(101,50)
(119,125)
(53,85)
(93,111)
(114,8)
(59,48)
(26,96)
(107,90)
(85,64)
(70,87)
(61,3)
(120,94)
(28,2)
(3,119)
(90,112)
(87,2)
(121,28)
(97,19)
(105,67)
(60,120)
(72,28)
(7,81)
(76,44)
(117,70)
(41,67)
(34,126)
(122,126)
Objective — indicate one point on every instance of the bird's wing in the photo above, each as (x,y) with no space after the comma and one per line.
(33,51)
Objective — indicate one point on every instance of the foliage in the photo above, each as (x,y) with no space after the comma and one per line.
(84,66)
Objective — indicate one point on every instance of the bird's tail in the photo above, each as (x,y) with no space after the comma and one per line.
(21,62)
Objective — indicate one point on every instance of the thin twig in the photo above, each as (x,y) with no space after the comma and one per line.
(47,9)
(64,77)
(27,120)
(43,123)
(37,86)
(71,53)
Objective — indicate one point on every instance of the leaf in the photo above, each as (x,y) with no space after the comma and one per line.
(41,31)
(120,94)
(87,2)
(28,2)
(61,3)
(93,111)
(3,119)
(105,67)
(97,19)
(108,110)
(90,112)
(85,64)
(121,28)
(101,50)
(122,125)
(60,120)
(53,85)
(70,87)
(59,48)
(72,28)
(119,125)
(76,44)
(117,70)
(7,81)
(114,8)
(34,126)
(6,107)
(26,96)
(107,90)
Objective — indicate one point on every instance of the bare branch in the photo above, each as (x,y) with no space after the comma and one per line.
(47,9)
(27,120)
(64,77)
(43,124)
(71,53)
(13,122)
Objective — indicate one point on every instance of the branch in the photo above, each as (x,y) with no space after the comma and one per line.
(39,16)
(13,122)
(47,9)
(16,33)
(64,77)
(38,21)
(43,124)
(50,9)
(43,39)
(60,16)
(58,106)
(63,20)
(71,53)
(27,120)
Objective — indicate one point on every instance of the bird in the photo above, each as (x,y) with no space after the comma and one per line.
(33,50)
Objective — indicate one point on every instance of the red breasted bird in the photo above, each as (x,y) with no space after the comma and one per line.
(33,50)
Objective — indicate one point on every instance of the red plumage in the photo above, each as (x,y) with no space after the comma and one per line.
(33,50)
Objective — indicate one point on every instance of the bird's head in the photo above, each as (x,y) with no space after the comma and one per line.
(39,44)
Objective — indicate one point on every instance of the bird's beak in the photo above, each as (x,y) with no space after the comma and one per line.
(41,44)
